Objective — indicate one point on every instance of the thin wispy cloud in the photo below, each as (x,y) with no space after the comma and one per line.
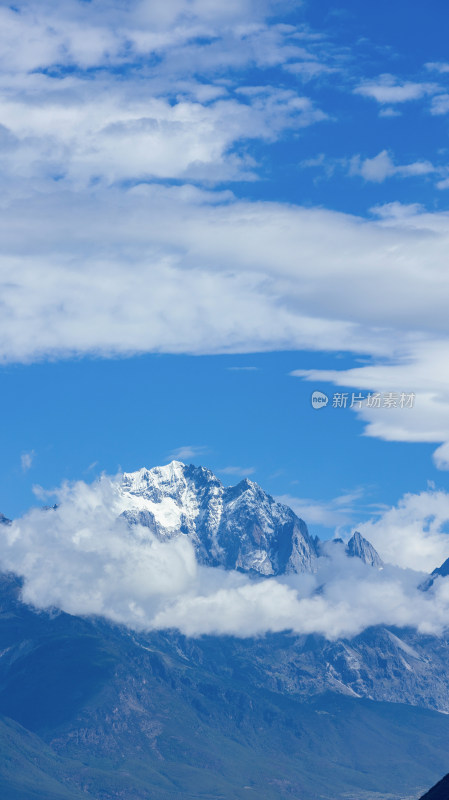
(338,512)
(388,89)
(440,104)
(243,369)
(241,472)
(438,66)
(188,451)
(26,460)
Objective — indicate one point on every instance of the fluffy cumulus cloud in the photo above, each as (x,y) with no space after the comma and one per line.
(111,92)
(413,534)
(81,132)
(83,557)
(89,561)
(86,35)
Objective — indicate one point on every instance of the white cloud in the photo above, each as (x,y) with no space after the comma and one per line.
(91,265)
(124,120)
(196,272)
(243,369)
(421,370)
(183,38)
(387,89)
(87,35)
(438,66)
(440,104)
(413,534)
(188,451)
(388,111)
(352,598)
(443,184)
(382,166)
(418,366)
(441,456)
(110,131)
(182,270)
(338,512)
(242,472)
(26,460)
(309,69)
(83,558)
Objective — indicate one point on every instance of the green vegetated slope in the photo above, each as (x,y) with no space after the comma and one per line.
(30,770)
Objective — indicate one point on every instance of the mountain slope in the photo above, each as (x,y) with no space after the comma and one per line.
(31,770)
(160,716)
(95,710)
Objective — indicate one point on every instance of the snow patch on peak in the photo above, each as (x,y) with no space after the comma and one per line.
(159,497)
(143,478)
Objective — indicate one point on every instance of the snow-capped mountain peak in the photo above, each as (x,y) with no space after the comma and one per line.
(238,527)
(148,481)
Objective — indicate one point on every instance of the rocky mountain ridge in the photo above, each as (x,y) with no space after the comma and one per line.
(235,527)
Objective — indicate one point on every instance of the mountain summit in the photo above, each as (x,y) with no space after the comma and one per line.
(237,527)
(359,547)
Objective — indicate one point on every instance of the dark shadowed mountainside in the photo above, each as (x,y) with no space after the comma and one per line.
(438,792)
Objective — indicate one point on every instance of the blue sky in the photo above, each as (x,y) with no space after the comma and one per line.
(200,199)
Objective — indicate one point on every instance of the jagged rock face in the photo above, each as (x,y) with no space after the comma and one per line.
(238,527)
(359,547)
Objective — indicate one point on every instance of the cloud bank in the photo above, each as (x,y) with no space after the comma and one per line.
(185,270)
(83,558)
